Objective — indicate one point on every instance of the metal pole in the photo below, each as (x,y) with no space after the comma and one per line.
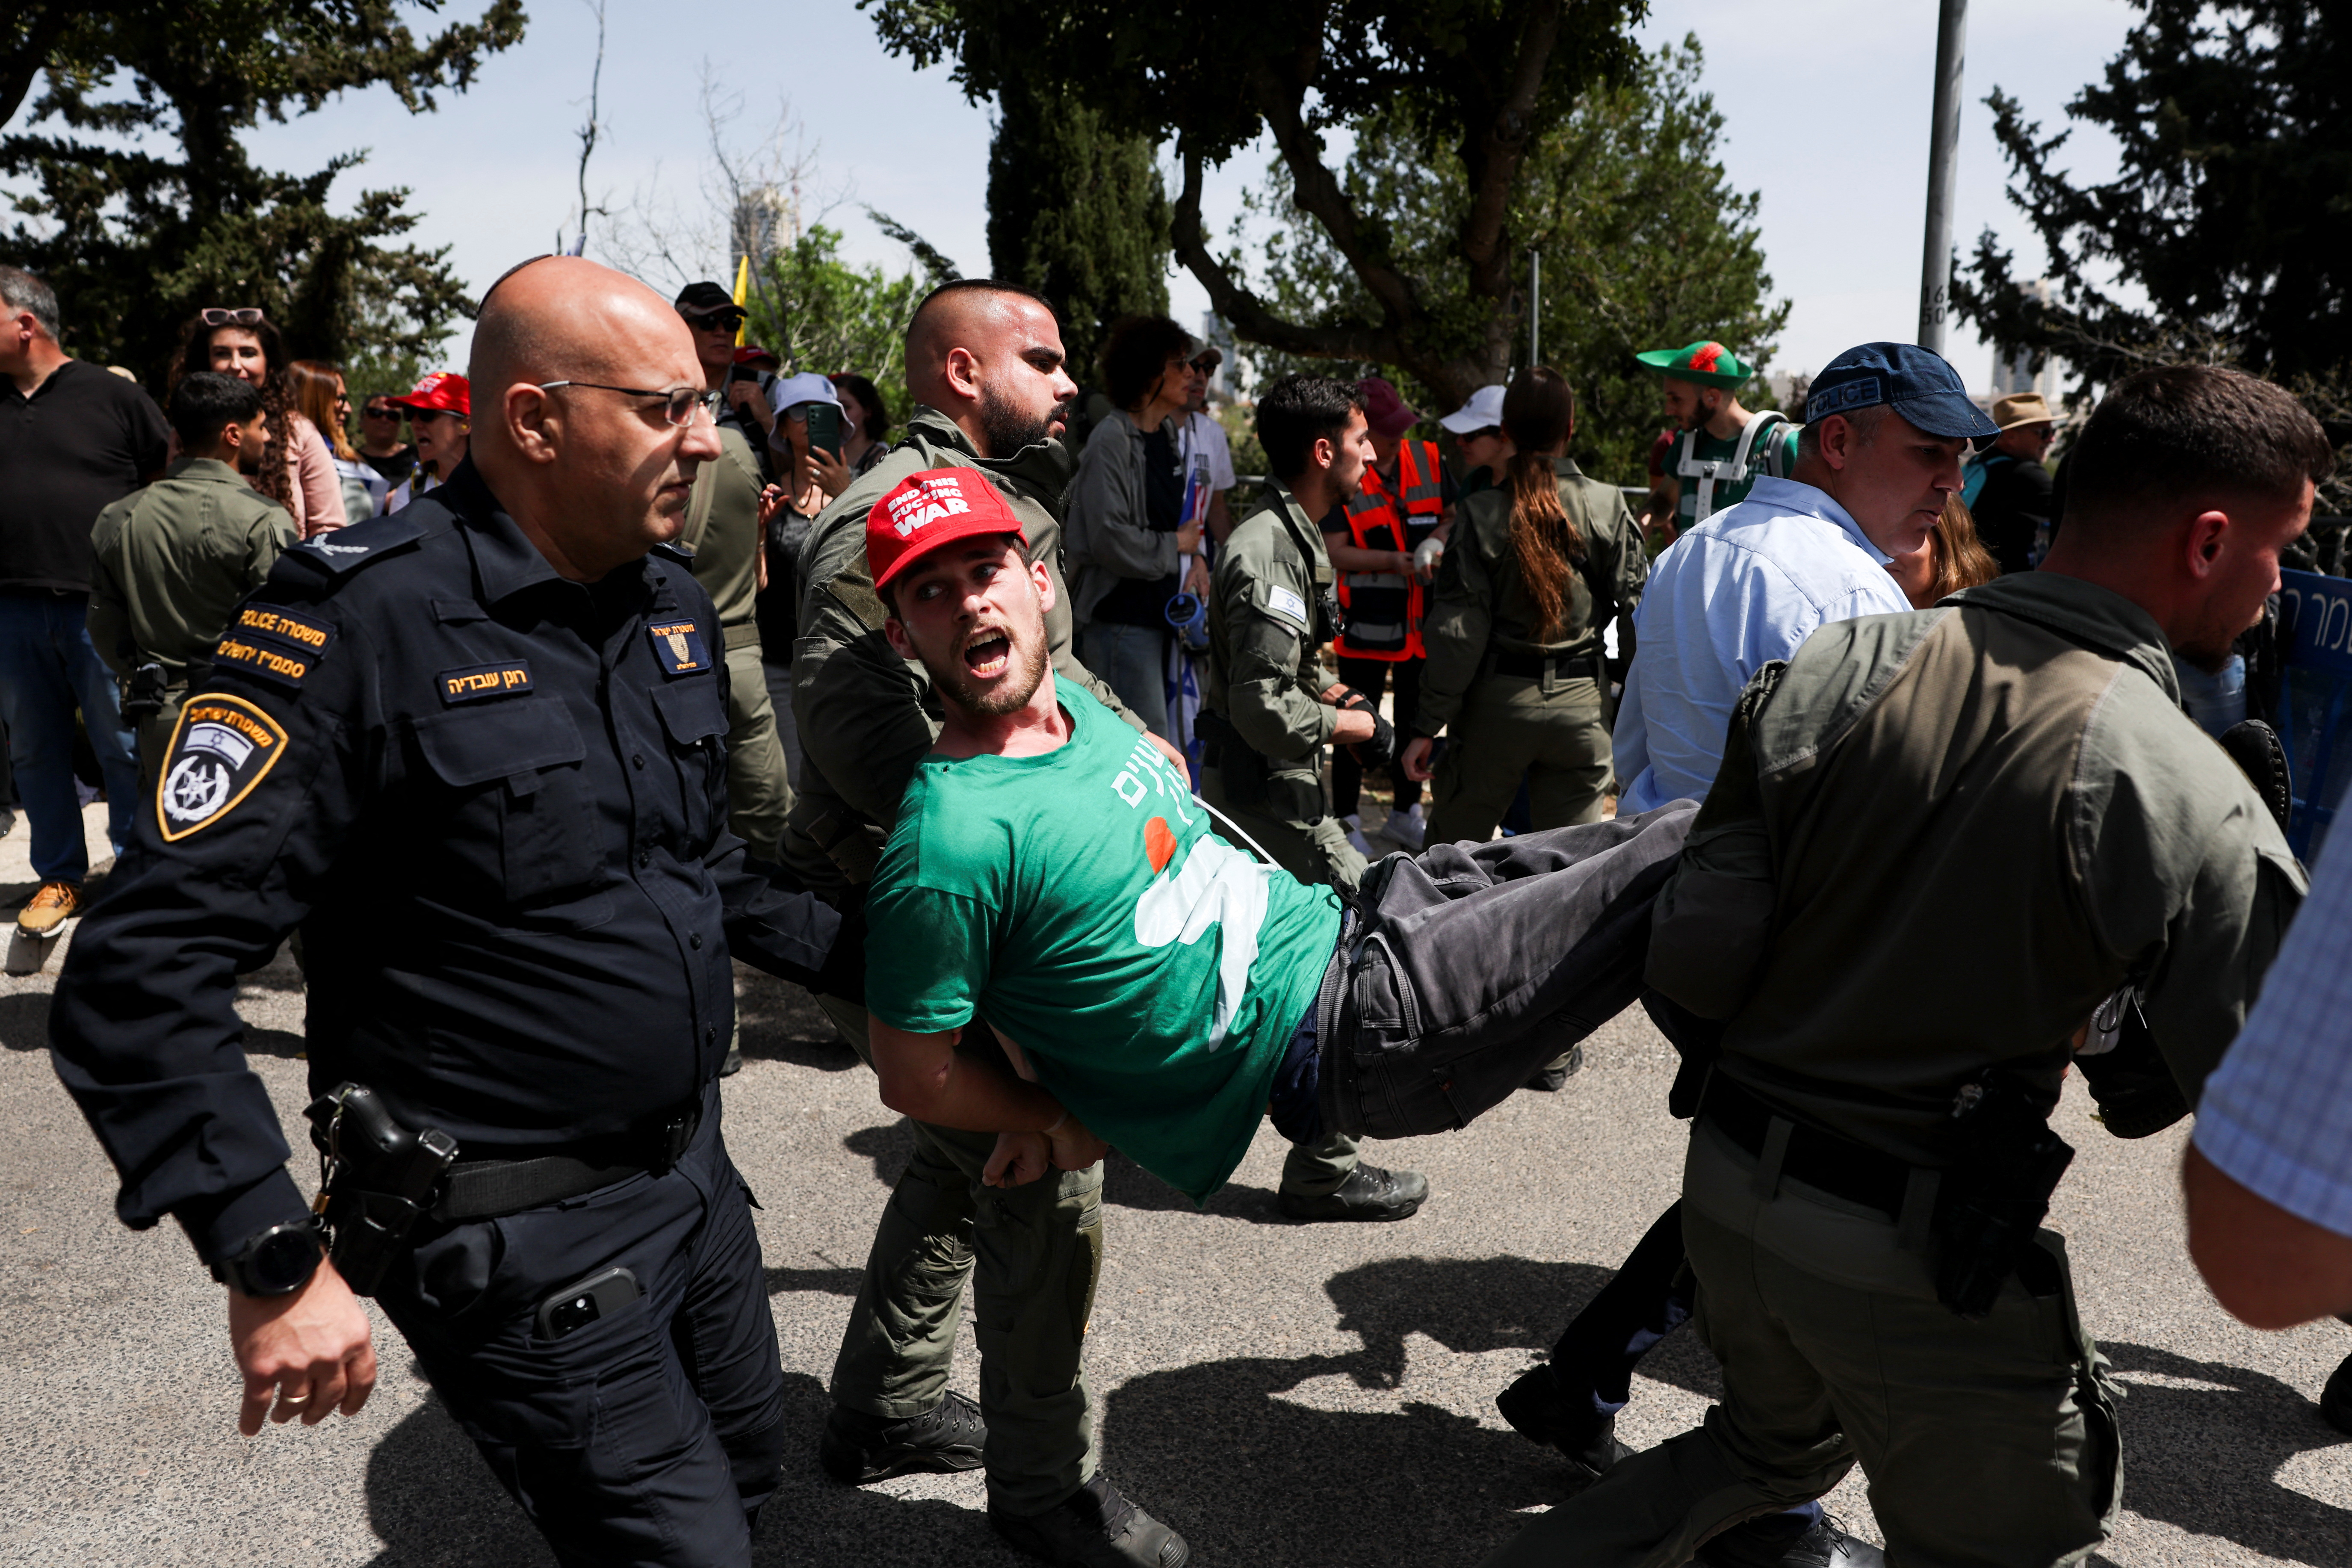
(1535,308)
(1942,154)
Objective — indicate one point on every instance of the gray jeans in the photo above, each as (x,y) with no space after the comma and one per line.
(1133,662)
(1467,967)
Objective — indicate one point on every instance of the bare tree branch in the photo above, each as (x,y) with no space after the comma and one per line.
(589,132)
(1317,189)
(1249,315)
(1493,160)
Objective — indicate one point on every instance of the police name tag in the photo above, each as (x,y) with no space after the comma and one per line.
(679,648)
(222,748)
(476,681)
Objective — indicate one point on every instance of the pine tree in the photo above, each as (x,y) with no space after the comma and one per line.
(1075,212)
(135,242)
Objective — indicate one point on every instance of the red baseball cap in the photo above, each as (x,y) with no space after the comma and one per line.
(1385,412)
(443,392)
(752,354)
(926,510)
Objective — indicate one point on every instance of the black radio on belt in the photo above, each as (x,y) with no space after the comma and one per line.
(142,694)
(378,1180)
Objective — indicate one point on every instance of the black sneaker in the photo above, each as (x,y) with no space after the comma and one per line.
(1094,1527)
(1764,1543)
(1368,1193)
(1535,1412)
(857,1447)
(2336,1399)
(1551,1079)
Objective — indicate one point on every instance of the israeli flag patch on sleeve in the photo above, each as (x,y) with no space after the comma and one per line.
(678,646)
(221,749)
(1284,602)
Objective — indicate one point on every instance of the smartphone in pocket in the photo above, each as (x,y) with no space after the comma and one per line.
(825,426)
(585,1301)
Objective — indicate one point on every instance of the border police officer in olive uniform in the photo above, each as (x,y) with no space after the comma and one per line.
(1523,693)
(723,531)
(474,750)
(173,560)
(1267,715)
(984,363)
(2009,775)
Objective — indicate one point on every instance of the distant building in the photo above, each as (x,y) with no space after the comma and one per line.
(1232,373)
(2013,370)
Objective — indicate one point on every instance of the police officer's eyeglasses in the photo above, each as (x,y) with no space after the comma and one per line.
(248,316)
(678,403)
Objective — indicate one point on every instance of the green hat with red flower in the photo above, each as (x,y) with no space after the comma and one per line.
(1706,362)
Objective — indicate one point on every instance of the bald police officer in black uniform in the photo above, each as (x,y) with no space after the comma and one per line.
(475,751)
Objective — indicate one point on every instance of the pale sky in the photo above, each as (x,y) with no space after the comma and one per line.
(1826,103)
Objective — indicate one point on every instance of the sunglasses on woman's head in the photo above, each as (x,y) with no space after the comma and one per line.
(244,316)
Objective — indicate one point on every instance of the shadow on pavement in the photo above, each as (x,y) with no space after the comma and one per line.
(1250,1475)
(780,1024)
(24,1021)
(1129,1185)
(432,1502)
(1474,1306)
(2207,1459)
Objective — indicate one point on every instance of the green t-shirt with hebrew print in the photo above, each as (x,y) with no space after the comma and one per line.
(1152,973)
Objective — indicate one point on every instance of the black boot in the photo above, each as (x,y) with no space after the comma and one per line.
(1368,1193)
(2336,1399)
(1094,1527)
(1551,1077)
(1535,1411)
(1766,1543)
(857,1447)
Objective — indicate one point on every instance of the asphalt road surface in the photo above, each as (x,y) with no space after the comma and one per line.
(1284,1395)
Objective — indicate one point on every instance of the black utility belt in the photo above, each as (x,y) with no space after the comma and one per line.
(1536,666)
(1824,1161)
(491,1188)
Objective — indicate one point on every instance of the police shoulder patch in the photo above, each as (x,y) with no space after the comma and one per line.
(679,647)
(221,747)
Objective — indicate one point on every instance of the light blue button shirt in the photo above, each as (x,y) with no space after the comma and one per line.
(2277,1115)
(1741,590)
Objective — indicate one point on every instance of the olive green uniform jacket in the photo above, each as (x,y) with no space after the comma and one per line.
(866,716)
(173,560)
(1479,606)
(1266,626)
(722,529)
(1939,839)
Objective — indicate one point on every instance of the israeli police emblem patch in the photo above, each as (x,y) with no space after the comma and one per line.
(222,748)
(678,646)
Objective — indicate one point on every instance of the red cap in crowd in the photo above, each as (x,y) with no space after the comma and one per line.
(1386,412)
(936,507)
(443,392)
(752,354)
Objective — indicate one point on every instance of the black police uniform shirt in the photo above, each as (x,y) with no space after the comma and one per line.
(494,800)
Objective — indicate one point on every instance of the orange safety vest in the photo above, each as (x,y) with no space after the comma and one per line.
(1380,612)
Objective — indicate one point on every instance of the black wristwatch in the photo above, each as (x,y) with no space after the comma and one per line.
(276,1262)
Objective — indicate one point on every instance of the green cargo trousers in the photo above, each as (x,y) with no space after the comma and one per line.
(1551,732)
(758,792)
(1033,1255)
(1834,1347)
(1318,852)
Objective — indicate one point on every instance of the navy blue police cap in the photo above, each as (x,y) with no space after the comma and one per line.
(1917,383)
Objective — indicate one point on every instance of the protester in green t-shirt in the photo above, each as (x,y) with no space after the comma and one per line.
(1053,876)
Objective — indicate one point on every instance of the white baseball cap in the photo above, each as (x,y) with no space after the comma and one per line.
(808,386)
(1483,412)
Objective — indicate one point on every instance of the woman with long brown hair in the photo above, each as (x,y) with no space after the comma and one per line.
(298,469)
(1953,558)
(1535,570)
(320,397)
